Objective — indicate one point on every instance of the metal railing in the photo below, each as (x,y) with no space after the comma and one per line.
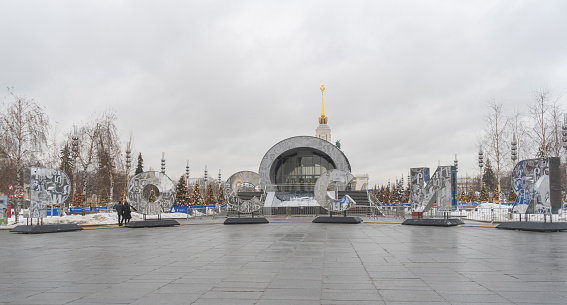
(506,214)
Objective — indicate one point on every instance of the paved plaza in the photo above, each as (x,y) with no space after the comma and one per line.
(285,262)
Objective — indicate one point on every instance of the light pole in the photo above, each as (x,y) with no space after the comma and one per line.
(564,133)
(205,184)
(514,150)
(163,163)
(480,165)
(456,162)
(75,144)
(128,164)
(187,173)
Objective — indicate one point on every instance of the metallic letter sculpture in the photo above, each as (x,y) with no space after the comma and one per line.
(441,188)
(337,180)
(46,186)
(418,180)
(537,182)
(165,198)
(247,182)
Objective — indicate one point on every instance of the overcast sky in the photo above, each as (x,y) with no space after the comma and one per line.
(219,83)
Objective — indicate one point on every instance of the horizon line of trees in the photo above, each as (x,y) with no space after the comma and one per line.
(91,152)
(539,131)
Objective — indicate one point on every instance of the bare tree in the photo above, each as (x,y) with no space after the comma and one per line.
(555,122)
(100,154)
(496,125)
(88,135)
(24,127)
(109,152)
(52,155)
(540,131)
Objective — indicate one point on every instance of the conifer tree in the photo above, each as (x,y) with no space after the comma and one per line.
(407,193)
(489,177)
(380,194)
(66,161)
(387,194)
(220,199)
(67,167)
(104,198)
(196,197)
(209,196)
(181,193)
(78,196)
(483,195)
(495,196)
(512,196)
(140,167)
(471,196)
(462,197)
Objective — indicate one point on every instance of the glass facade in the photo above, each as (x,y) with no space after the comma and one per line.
(298,169)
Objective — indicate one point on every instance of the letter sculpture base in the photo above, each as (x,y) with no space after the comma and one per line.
(436,222)
(337,219)
(55,228)
(245,220)
(152,223)
(533,226)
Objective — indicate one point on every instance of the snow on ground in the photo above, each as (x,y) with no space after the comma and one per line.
(488,211)
(101,218)
(493,212)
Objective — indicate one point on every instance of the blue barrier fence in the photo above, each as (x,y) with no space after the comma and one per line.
(407,205)
(192,210)
(87,209)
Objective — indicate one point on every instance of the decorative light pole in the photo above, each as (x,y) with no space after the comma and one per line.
(564,127)
(220,180)
(187,173)
(480,165)
(206,178)
(128,164)
(514,150)
(456,162)
(75,149)
(163,163)
(564,133)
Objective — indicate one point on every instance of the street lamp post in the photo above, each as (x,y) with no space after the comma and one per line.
(128,164)
(480,165)
(564,133)
(75,144)
(514,150)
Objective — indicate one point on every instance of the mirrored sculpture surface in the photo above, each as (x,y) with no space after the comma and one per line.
(440,189)
(248,183)
(46,186)
(164,199)
(537,183)
(419,177)
(334,180)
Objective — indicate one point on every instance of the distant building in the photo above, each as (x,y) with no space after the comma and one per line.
(360,182)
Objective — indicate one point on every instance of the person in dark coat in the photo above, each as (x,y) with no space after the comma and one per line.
(126,213)
(119,210)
